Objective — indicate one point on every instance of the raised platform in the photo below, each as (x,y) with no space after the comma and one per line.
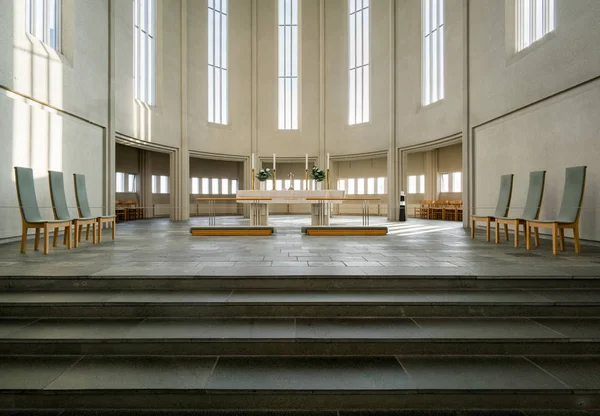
(232,231)
(341,230)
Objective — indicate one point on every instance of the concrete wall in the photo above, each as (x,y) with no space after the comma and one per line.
(534,110)
(53,106)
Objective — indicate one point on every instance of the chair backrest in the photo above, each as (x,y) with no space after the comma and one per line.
(570,207)
(83,207)
(506,184)
(535,193)
(28,205)
(57,194)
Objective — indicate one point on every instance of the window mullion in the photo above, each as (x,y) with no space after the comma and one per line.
(431,41)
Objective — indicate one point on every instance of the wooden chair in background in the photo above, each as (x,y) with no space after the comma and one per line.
(30,212)
(533,203)
(83,207)
(568,215)
(61,210)
(506,184)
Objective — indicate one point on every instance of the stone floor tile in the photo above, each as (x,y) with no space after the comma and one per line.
(580,373)
(360,296)
(481,328)
(136,373)
(65,296)
(579,328)
(67,328)
(359,328)
(303,373)
(477,373)
(166,296)
(25,372)
(9,325)
(483,296)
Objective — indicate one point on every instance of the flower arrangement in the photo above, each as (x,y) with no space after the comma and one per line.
(264,174)
(317,174)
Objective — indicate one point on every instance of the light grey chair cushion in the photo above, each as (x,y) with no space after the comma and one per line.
(572,194)
(506,183)
(26,194)
(534,195)
(81,195)
(57,192)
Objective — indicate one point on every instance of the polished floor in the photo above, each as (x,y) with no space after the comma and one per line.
(159,247)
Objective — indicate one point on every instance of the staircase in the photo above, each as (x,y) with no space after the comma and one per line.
(337,343)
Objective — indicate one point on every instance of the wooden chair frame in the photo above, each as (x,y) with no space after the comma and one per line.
(557,227)
(489,219)
(97,221)
(45,225)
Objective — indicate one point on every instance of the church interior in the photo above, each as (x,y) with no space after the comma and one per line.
(300,207)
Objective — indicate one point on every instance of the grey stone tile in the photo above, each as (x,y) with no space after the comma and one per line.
(290,264)
(580,373)
(64,296)
(341,296)
(136,373)
(360,328)
(217,263)
(165,296)
(582,328)
(570,295)
(76,329)
(483,296)
(9,325)
(214,328)
(362,264)
(481,328)
(26,372)
(477,373)
(301,373)
(326,263)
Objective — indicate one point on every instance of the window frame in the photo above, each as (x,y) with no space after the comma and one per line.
(529,8)
(31,16)
(354,68)
(222,67)
(144,89)
(432,72)
(294,111)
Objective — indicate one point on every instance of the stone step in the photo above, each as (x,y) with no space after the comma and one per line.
(294,303)
(296,279)
(301,336)
(315,383)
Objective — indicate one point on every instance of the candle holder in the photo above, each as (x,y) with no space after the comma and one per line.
(306,181)
(253,179)
(274,179)
(328,187)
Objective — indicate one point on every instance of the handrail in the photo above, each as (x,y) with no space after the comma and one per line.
(241,198)
(312,198)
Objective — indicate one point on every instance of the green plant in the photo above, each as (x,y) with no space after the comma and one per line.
(317,174)
(264,174)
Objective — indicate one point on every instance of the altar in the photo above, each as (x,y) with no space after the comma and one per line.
(320,203)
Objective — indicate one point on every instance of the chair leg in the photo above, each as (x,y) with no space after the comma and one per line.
(24,239)
(36,243)
(69,239)
(487,232)
(576,238)
(46,238)
(472,229)
(517,234)
(497,234)
(80,232)
(527,236)
(537,236)
(114,226)
(87,232)
(76,237)
(93,232)
(506,231)
(65,236)
(562,239)
(554,239)
(55,238)
(99,231)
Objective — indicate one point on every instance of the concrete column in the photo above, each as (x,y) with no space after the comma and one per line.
(393,169)
(109,132)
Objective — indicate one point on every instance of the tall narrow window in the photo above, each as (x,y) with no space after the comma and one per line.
(457,182)
(234,186)
(358,60)
(381,185)
(422,184)
(535,19)
(217,61)
(288,64)
(164,184)
(412,184)
(120,182)
(144,49)
(341,184)
(42,20)
(205,186)
(214,186)
(195,186)
(131,183)
(224,186)
(444,182)
(433,50)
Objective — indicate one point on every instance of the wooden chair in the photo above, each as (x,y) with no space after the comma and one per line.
(568,215)
(436,210)
(506,184)
(61,211)
(132,210)
(421,210)
(533,203)
(453,210)
(120,211)
(83,207)
(30,212)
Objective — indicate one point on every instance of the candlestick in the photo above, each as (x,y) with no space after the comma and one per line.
(327,161)
(306,164)
(328,174)
(274,178)
(274,167)
(253,161)
(306,180)
(253,178)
